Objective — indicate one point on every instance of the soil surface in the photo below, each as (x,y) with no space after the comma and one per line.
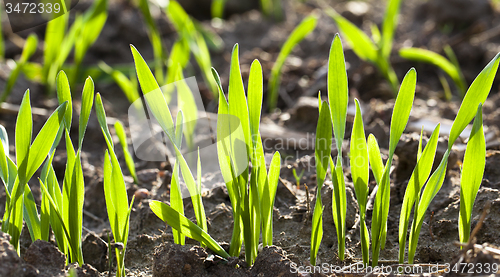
(470,27)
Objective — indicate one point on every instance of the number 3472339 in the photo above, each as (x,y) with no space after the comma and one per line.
(32,7)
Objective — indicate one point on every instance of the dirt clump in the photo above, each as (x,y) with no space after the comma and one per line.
(95,252)
(184,260)
(46,258)
(10,263)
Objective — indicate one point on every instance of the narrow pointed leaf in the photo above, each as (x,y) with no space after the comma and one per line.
(43,141)
(316,232)
(299,33)
(255,92)
(359,160)
(361,44)
(87,102)
(63,95)
(337,90)
(472,175)
(477,93)
(424,55)
(185,226)
(153,94)
(417,180)
(376,162)
(402,108)
(24,129)
(120,133)
(389,27)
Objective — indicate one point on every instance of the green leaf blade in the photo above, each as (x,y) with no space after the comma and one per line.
(298,34)
(423,55)
(316,232)
(101,118)
(153,94)
(187,104)
(44,140)
(268,196)
(472,175)
(255,93)
(359,160)
(361,44)
(389,27)
(338,94)
(237,101)
(376,162)
(122,137)
(322,147)
(64,95)
(477,93)
(417,180)
(360,173)
(87,103)
(24,129)
(402,109)
(185,226)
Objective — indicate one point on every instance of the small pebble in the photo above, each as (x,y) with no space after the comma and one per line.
(358,8)
(431,102)
(118,245)
(141,194)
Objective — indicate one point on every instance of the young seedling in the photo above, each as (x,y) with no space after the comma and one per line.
(472,175)
(322,154)
(122,137)
(59,42)
(476,94)
(178,60)
(186,227)
(186,29)
(452,68)
(338,97)
(420,174)
(28,51)
(446,87)
(115,193)
(63,210)
(158,106)
(212,39)
(400,116)
(155,38)
(29,156)
(298,177)
(93,22)
(378,50)
(299,33)
(360,173)
(193,37)
(238,143)
(127,85)
(176,201)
